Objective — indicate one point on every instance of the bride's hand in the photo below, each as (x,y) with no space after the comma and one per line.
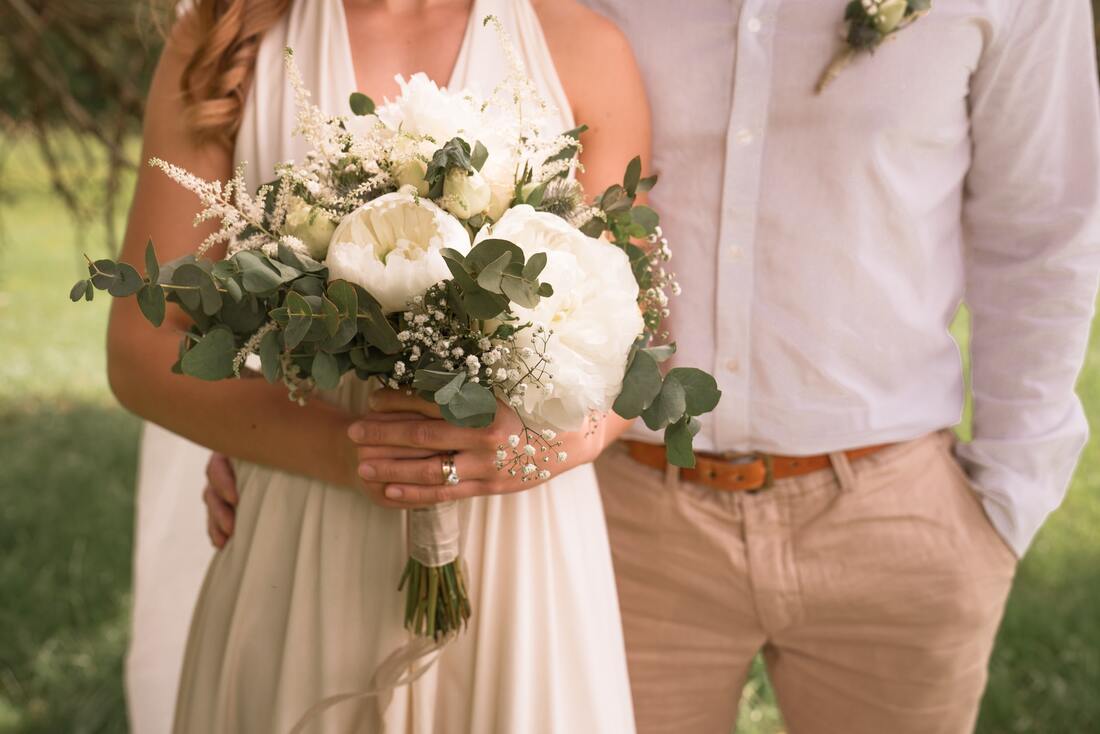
(416,482)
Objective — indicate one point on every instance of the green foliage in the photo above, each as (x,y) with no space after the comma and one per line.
(455,154)
(361,104)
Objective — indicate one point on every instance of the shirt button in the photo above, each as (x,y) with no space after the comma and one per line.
(744,136)
(733,365)
(736,252)
(755,25)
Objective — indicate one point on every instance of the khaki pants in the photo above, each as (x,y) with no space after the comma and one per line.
(874,589)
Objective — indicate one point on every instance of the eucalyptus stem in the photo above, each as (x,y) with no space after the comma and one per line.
(436,600)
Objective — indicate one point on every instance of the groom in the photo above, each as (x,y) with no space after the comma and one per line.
(824,242)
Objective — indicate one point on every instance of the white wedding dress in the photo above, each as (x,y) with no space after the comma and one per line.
(303,603)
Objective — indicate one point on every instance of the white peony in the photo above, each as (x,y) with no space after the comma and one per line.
(310,225)
(594,315)
(424,109)
(391,245)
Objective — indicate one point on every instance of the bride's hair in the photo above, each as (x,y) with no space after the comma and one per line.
(223,41)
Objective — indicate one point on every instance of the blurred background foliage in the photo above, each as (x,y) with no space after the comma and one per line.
(72,79)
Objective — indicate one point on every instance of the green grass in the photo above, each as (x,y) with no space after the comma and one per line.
(67,462)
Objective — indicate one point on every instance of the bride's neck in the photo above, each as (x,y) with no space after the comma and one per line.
(403,7)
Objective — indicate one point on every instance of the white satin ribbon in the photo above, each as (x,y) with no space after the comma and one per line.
(434,534)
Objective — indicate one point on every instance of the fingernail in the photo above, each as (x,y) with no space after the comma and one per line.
(394,493)
(356,432)
(366,471)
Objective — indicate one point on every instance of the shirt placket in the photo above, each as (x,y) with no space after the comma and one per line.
(737,227)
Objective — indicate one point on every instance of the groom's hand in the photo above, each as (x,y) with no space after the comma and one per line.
(220,497)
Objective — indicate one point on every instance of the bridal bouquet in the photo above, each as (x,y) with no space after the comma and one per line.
(439,244)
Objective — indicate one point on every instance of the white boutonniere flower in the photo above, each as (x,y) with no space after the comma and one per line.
(870,23)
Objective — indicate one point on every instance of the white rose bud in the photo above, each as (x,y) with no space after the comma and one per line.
(465,195)
(890,13)
(503,192)
(310,225)
(411,173)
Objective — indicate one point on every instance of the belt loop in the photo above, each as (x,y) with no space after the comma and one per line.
(672,476)
(842,466)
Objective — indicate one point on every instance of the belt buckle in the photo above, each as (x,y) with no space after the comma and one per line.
(736,457)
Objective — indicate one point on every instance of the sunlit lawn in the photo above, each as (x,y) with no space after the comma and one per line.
(67,456)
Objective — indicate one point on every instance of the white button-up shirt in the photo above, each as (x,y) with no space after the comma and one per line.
(824,243)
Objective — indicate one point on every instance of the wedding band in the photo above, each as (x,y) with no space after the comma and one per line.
(450,471)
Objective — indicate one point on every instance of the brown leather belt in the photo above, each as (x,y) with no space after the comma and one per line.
(734,472)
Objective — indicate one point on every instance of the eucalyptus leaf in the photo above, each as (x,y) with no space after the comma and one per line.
(667,407)
(483,305)
(489,250)
(633,175)
(534,266)
(377,329)
(300,319)
(479,156)
(190,277)
(520,292)
(662,353)
(472,400)
(361,104)
(270,360)
(678,440)
(151,302)
(152,267)
(645,217)
(646,184)
(701,391)
(77,291)
(103,273)
(448,392)
(432,380)
(490,276)
(257,276)
(212,357)
(325,371)
(641,385)
(341,293)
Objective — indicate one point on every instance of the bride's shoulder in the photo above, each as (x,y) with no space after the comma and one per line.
(581,41)
(568,23)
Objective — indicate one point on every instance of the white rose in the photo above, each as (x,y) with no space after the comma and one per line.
(501,197)
(391,245)
(594,315)
(466,195)
(310,225)
(412,172)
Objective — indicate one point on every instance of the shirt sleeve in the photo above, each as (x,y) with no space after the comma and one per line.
(1031,216)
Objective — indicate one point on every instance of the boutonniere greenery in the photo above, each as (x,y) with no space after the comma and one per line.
(870,23)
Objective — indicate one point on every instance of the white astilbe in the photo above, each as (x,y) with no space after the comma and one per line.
(526,117)
(231,203)
(252,346)
(311,123)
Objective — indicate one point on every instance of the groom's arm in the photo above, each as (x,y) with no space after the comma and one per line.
(1032,222)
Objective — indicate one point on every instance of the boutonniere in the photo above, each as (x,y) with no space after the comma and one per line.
(870,23)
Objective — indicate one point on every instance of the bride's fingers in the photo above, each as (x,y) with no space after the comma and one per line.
(424,434)
(371,453)
(409,496)
(468,465)
(399,401)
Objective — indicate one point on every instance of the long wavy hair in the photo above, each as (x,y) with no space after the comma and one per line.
(223,39)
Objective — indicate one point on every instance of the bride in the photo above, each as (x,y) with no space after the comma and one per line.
(303,604)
